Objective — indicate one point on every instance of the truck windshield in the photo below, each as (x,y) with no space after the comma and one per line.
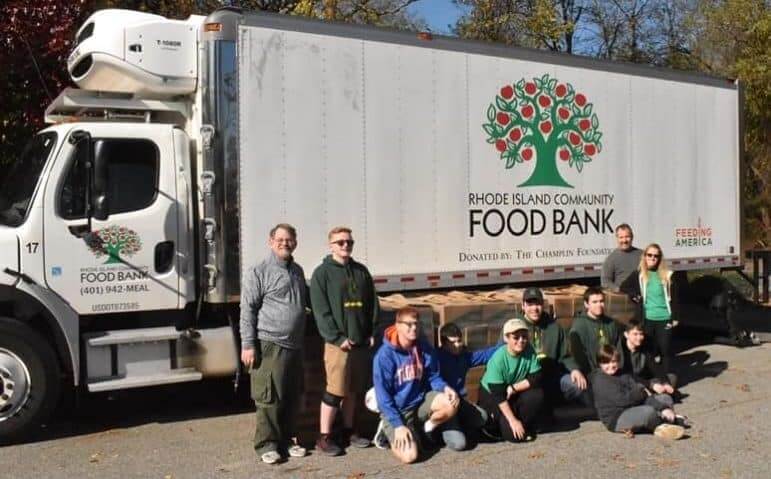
(19,179)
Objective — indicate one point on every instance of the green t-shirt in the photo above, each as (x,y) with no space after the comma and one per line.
(505,368)
(655,299)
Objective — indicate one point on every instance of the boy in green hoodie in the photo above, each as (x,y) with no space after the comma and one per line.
(345,307)
(562,378)
(592,330)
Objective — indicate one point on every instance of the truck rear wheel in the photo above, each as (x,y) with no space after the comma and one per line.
(30,381)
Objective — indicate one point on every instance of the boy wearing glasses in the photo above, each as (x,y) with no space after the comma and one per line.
(273,301)
(592,330)
(345,307)
(411,394)
(510,389)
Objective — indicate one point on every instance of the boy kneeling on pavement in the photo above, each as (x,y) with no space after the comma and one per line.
(410,393)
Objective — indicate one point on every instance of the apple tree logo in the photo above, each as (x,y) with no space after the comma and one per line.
(113,242)
(545,121)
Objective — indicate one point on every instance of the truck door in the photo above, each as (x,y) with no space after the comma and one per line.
(127,262)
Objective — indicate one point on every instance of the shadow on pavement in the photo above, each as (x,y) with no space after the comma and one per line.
(93,413)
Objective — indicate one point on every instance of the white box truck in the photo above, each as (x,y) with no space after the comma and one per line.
(125,226)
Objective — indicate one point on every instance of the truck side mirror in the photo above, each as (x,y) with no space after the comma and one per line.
(100,206)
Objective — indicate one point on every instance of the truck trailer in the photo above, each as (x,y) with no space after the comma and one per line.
(126,225)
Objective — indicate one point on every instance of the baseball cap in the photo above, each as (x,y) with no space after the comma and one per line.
(532,294)
(513,325)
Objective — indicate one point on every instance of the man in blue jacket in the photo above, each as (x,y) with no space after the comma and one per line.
(411,395)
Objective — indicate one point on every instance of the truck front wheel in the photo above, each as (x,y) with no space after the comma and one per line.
(30,380)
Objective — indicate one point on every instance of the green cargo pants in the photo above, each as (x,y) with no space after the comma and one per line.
(277,387)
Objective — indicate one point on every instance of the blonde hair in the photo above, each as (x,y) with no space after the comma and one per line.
(338,229)
(662,270)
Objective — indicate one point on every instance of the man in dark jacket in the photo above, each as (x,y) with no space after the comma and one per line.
(345,307)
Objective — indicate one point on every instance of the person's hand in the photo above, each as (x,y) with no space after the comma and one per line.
(578,379)
(510,391)
(668,415)
(452,396)
(247,357)
(517,429)
(402,438)
(658,388)
(346,345)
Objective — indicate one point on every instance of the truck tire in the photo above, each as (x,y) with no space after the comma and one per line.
(30,381)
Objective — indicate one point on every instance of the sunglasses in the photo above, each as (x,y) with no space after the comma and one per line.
(342,243)
(652,255)
(409,324)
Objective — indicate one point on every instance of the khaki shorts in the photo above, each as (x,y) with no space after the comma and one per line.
(347,372)
(413,419)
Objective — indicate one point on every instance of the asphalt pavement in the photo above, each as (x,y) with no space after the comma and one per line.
(203,430)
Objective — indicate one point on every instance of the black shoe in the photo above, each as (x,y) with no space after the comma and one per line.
(355,440)
(490,434)
(327,446)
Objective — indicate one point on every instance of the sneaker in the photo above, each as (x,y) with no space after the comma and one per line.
(359,441)
(296,450)
(327,446)
(669,431)
(490,434)
(380,439)
(271,457)
(682,420)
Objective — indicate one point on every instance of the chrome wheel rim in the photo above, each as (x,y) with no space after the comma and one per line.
(14,384)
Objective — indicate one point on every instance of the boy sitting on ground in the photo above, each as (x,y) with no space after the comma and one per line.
(624,405)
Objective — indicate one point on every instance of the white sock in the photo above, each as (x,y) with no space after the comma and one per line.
(429,426)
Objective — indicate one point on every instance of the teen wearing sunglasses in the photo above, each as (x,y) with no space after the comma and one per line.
(345,307)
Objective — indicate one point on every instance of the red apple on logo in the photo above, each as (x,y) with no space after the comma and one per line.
(507,92)
(503,118)
(590,150)
(527,111)
(574,139)
(544,101)
(527,154)
(500,145)
(564,155)
(561,90)
(546,126)
(580,100)
(584,124)
(563,113)
(530,88)
(515,135)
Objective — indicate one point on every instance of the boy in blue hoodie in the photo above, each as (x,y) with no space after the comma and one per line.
(411,395)
(454,362)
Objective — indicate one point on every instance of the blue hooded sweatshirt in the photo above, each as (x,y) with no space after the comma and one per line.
(454,367)
(402,378)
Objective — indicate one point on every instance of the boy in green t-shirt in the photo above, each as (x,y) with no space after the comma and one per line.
(511,392)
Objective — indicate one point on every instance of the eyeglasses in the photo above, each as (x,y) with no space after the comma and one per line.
(652,255)
(409,324)
(342,243)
